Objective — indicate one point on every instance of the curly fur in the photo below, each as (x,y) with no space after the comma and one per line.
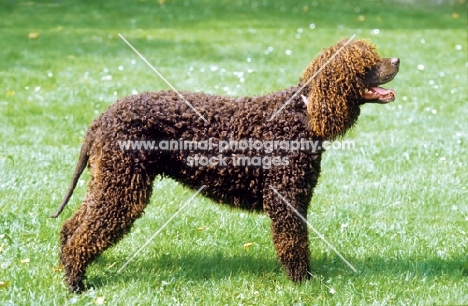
(329,120)
(121,180)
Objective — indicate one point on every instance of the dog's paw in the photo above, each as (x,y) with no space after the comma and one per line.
(298,273)
(76,285)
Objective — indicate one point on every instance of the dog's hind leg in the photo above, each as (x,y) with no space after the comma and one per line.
(70,226)
(112,205)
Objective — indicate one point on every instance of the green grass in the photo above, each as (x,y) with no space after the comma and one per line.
(395,206)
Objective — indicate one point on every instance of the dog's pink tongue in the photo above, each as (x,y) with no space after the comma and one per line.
(374,93)
(382,91)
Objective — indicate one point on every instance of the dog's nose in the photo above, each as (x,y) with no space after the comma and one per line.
(395,61)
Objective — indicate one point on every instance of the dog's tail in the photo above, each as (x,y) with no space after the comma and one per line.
(82,161)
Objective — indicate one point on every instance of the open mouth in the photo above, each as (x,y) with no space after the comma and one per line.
(379,95)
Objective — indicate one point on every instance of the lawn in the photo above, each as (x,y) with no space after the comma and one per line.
(396,206)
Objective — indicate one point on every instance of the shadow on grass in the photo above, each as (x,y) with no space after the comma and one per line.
(219,266)
(393,267)
(195,267)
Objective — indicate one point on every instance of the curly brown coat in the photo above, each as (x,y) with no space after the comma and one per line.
(322,106)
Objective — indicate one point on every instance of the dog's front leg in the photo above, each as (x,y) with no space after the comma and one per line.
(290,235)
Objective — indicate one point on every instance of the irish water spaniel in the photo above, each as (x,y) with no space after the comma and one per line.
(252,151)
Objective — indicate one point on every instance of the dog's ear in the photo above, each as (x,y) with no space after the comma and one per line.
(329,112)
(335,84)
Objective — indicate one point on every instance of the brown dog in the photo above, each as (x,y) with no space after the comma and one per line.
(325,104)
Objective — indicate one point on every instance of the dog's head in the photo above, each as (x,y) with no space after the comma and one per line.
(383,72)
(342,78)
